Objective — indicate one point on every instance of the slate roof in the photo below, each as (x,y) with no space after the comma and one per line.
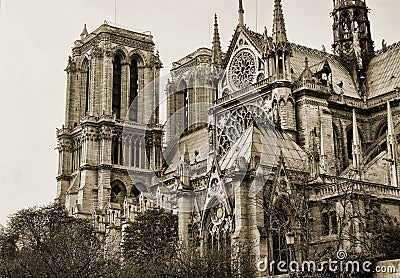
(267,143)
(315,57)
(383,74)
(339,72)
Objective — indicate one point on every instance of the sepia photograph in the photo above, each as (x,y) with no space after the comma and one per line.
(196,139)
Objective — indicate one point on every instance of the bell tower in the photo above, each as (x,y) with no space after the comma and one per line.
(111,121)
(352,38)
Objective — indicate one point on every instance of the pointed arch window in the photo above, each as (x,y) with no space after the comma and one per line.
(280,64)
(114,152)
(345,24)
(117,151)
(383,132)
(183,106)
(336,144)
(133,91)
(86,78)
(185,109)
(116,92)
(350,142)
(118,192)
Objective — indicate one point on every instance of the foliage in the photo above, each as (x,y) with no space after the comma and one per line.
(222,262)
(151,249)
(46,242)
(150,244)
(385,236)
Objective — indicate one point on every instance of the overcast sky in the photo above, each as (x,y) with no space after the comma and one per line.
(36,37)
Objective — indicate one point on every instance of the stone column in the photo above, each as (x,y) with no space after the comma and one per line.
(125,87)
(107,84)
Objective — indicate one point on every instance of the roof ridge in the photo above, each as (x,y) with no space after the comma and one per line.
(388,48)
(314,51)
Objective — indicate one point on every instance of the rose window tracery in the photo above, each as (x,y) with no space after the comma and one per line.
(232,125)
(242,69)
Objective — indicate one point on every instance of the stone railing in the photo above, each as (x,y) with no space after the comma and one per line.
(312,86)
(382,100)
(243,91)
(370,103)
(348,100)
(332,190)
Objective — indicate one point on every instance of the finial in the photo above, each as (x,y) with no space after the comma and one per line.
(279,31)
(241,13)
(384,45)
(265,33)
(84,32)
(323,48)
(306,62)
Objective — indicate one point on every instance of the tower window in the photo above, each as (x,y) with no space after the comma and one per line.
(183,104)
(115,151)
(86,78)
(133,92)
(185,109)
(116,97)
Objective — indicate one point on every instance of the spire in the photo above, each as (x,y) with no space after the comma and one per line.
(241,13)
(392,150)
(356,144)
(279,31)
(84,32)
(216,44)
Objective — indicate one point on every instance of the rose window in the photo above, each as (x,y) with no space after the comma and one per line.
(242,69)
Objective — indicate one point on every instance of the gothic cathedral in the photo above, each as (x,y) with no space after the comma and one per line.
(261,141)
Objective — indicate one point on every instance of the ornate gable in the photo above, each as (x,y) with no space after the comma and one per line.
(243,64)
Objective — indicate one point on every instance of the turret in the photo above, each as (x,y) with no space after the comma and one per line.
(352,38)
(280,51)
